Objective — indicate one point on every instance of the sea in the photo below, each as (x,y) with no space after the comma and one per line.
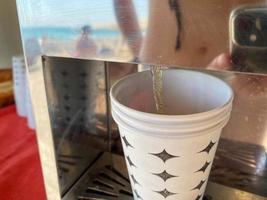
(66,33)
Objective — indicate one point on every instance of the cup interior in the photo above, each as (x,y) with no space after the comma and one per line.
(185,92)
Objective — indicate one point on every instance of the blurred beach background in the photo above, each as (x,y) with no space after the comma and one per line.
(63,40)
(60,35)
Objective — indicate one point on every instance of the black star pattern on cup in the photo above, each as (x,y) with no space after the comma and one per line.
(164,155)
(165,193)
(130,162)
(203,169)
(134,180)
(127,144)
(137,195)
(198,197)
(165,175)
(198,187)
(208,148)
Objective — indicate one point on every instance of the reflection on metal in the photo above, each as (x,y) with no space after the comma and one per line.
(76,97)
(219,192)
(156,32)
(104,180)
(241,165)
(71,166)
(69,94)
(248,38)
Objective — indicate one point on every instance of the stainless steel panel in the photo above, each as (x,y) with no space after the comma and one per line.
(181,33)
(190,34)
(220,192)
(76,97)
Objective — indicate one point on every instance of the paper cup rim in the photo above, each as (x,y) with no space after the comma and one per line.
(164,117)
(131,129)
(172,128)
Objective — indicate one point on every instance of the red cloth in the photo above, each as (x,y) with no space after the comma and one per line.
(20,168)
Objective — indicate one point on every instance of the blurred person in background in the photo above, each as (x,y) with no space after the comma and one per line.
(195,34)
(85,45)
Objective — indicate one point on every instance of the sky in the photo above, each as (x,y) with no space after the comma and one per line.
(65,13)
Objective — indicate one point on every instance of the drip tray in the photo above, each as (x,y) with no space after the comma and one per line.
(108,179)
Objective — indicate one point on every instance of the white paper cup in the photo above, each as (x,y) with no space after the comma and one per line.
(170,156)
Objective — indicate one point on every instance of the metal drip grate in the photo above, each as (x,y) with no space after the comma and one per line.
(241,165)
(66,162)
(107,179)
(110,184)
(71,165)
